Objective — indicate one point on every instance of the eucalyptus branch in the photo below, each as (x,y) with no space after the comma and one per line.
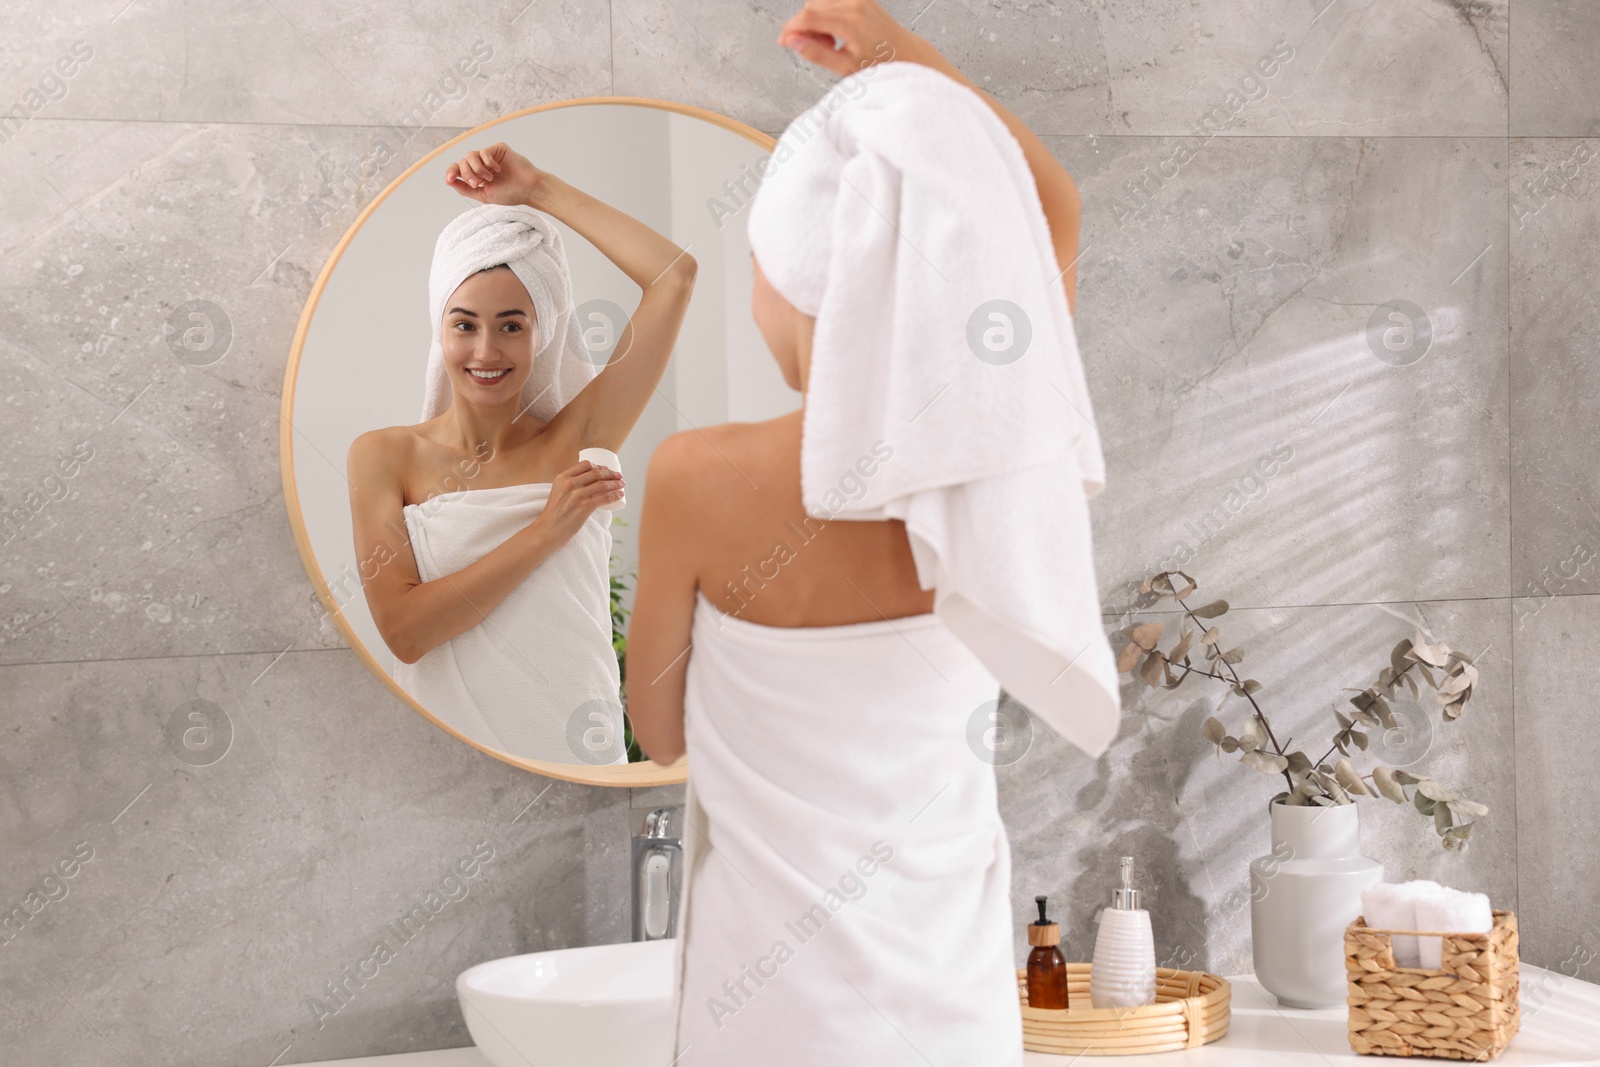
(1187,668)
(1261,716)
(1318,783)
(1234,677)
(1344,734)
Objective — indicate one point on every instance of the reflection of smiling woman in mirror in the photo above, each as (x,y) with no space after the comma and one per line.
(497,603)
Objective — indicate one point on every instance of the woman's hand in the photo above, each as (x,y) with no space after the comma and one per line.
(575,495)
(496,175)
(845,36)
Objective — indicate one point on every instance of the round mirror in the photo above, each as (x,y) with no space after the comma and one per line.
(360,360)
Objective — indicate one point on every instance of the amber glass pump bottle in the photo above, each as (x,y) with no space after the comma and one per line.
(1047,967)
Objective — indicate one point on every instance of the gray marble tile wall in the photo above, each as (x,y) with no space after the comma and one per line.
(1242,231)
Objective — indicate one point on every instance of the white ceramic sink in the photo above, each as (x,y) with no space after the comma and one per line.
(598,1006)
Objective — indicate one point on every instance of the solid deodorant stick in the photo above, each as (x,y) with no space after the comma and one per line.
(604,457)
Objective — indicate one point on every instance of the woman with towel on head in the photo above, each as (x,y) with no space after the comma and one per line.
(497,602)
(829,603)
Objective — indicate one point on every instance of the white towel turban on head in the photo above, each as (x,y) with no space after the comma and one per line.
(901,213)
(529,242)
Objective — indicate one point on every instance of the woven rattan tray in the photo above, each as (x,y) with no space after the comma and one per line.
(1191,1008)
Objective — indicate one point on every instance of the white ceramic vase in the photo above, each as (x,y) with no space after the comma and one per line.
(1302,896)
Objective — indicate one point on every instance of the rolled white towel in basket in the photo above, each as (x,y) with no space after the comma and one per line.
(1449,911)
(1393,906)
(1423,905)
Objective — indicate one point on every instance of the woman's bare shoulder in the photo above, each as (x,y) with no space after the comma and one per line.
(382,453)
(387,436)
(712,464)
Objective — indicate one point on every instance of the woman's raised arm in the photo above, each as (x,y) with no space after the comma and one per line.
(607,408)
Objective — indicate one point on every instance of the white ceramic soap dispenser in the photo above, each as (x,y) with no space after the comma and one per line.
(1123,974)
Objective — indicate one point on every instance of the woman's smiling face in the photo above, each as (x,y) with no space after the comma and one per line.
(489,336)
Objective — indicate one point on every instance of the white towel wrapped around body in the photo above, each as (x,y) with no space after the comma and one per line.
(1425,906)
(538,677)
(845,862)
(529,242)
(943,338)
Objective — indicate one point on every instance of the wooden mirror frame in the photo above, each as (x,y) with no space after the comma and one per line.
(646,773)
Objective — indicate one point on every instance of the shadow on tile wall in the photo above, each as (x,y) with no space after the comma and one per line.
(1369,271)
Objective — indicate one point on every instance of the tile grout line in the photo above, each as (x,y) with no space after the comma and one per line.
(1108,615)
(1511,487)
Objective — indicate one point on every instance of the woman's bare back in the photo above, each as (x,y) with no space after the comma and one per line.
(761,557)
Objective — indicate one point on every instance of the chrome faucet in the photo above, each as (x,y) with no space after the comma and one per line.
(657,876)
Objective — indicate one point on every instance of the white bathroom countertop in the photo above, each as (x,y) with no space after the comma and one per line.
(1560,1028)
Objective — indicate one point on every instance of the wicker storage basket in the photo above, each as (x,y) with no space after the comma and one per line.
(1466,1010)
(1191,1009)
